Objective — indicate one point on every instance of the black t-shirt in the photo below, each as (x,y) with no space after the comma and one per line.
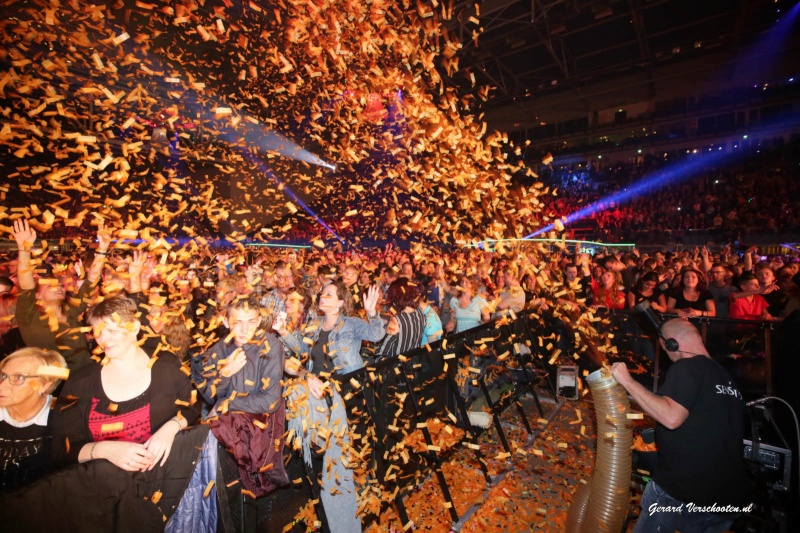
(24,454)
(701,461)
(777,301)
(319,354)
(682,303)
(639,297)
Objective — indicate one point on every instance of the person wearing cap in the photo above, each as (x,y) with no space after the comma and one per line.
(46,318)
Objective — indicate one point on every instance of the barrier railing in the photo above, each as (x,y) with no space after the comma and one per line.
(746,347)
(417,404)
(411,411)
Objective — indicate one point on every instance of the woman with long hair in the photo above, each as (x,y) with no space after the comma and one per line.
(406,323)
(691,297)
(330,344)
(607,292)
(647,289)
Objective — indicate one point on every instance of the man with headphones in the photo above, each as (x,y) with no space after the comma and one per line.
(700,483)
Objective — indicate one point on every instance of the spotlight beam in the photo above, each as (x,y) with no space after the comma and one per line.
(671,175)
(289,192)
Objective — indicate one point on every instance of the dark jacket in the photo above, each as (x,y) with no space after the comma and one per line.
(264,362)
(168,385)
(98,497)
(258,452)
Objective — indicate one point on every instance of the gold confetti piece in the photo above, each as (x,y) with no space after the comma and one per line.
(52,371)
(203,33)
(156,497)
(121,38)
(635,416)
(209,487)
(112,428)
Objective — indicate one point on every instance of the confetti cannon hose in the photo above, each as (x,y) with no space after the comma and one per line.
(603,504)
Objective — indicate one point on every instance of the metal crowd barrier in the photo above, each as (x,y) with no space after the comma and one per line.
(735,343)
(389,399)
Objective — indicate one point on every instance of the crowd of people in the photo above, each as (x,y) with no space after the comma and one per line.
(726,203)
(149,342)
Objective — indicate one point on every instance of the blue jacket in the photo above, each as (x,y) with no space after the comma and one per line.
(344,341)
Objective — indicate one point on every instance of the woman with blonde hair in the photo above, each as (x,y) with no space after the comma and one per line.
(119,431)
(27,379)
(469,309)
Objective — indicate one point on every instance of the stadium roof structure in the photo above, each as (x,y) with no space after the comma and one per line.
(532,49)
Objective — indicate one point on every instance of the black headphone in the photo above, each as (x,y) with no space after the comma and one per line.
(655,318)
(670,344)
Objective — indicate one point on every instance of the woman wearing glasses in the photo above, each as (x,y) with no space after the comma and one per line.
(25,398)
(119,438)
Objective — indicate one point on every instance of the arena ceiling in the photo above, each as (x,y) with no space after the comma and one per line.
(528,49)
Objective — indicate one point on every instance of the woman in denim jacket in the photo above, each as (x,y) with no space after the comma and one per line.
(315,411)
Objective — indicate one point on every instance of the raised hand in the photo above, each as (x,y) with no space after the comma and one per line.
(103,238)
(371,300)
(24,235)
(77,267)
(136,264)
(135,267)
(234,363)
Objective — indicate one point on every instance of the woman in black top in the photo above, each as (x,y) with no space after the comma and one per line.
(647,289)
(691,298)
(119,432)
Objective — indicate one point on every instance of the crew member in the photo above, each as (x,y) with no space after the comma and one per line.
(700,483)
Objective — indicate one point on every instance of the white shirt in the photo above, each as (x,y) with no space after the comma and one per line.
(40,419)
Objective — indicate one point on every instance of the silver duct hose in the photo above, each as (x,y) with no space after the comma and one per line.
(603,506)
